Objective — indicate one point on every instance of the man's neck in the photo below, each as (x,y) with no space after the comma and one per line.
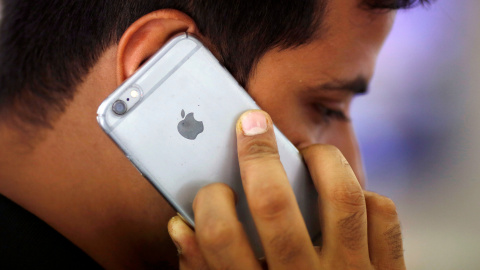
(76,179)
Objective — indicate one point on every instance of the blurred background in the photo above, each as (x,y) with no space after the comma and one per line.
(418,130)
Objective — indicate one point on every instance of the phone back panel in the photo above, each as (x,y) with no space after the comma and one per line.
(185,76)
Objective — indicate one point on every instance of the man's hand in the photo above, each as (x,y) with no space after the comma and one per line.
(360,229)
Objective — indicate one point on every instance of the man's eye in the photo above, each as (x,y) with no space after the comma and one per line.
(329,114)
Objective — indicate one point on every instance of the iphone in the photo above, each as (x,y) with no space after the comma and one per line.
(175,120)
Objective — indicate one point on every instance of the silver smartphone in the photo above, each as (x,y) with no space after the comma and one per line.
(175,121)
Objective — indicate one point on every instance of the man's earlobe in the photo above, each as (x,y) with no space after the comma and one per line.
(146,36)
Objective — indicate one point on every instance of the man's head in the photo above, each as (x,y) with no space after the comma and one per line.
(302,61)
(48,47)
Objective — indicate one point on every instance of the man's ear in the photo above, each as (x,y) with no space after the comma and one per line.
(146,36)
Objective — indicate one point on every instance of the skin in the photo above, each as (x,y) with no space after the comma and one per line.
(74,178)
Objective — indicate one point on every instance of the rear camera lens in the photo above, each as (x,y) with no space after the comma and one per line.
(119,107)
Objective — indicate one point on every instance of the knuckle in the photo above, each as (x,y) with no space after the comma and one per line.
(209,194)
(333,151)
(348,265)
(388,265)
(268,201)
(328,150)
(322,148)
(325,152)
(259,149)
(201,196)
(214,189)
(217,188)
(348,197)
(394,240)
(352,230)
(215,234)
(381,205)
(286,247)
(202,192)
(205,190)
(354,262)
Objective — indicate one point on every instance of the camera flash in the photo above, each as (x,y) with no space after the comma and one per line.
(134,93)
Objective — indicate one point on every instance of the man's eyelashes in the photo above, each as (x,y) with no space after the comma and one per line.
(329,114)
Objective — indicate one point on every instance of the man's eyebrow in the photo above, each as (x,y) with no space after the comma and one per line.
(358,85)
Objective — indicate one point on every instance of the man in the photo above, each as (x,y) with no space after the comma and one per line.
(302,62)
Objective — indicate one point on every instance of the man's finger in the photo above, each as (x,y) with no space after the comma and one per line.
(270,197)
(183,237)
(220,234)
(342,206)
(384,234)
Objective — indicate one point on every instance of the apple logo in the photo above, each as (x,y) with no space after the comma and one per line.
(189,127)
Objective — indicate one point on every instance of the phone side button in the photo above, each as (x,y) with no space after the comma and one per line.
(137,169)
(135,166)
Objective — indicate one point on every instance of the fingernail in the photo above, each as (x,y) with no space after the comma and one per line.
(254,123)
(174,228)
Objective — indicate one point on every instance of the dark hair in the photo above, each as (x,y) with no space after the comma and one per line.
(48,46)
